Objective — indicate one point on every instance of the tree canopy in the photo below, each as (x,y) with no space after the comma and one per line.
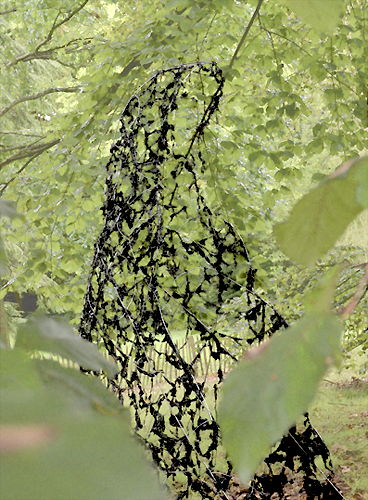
(294,105)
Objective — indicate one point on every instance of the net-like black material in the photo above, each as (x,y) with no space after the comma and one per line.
(164,268)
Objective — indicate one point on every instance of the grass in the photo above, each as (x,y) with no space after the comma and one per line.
(340,414)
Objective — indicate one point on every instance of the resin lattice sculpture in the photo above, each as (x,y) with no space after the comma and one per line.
(164,269)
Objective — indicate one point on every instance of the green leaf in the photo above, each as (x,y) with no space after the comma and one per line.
(320,299)
(275,383)
(61,445)
(82,391)
(46,334)
(321,15)
(321,216)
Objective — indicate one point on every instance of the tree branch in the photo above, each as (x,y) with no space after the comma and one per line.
(3,12)
(17,173)
(245,34)
(35,54)
(33,97)
(49,53)
(29,151)
(5,149)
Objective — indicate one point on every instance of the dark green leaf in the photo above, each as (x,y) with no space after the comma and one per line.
(63,448)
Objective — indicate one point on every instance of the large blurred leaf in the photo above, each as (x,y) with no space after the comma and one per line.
(322,215)
(272,387)
(321,15)
(46,334)
(275,383)
(81,390)
(61,438)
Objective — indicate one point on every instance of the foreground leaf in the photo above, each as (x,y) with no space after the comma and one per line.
(272,387)
(321,217)
(62,437)
(46,334)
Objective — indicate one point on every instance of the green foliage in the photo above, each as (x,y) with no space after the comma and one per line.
(62,431)
(291,94)
(294,108)
(6,210)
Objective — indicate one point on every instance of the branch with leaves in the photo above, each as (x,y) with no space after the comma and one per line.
(36,54)
(33,151)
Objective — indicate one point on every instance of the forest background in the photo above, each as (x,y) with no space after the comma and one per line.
(294,108)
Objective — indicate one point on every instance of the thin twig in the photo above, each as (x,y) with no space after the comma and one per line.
(346,311)
(245,33)
(17,173)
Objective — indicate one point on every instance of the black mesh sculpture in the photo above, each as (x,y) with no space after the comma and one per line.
(164,268)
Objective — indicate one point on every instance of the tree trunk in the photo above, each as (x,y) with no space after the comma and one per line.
(4,332)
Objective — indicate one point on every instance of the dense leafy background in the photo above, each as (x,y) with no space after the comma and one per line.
(295,105)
